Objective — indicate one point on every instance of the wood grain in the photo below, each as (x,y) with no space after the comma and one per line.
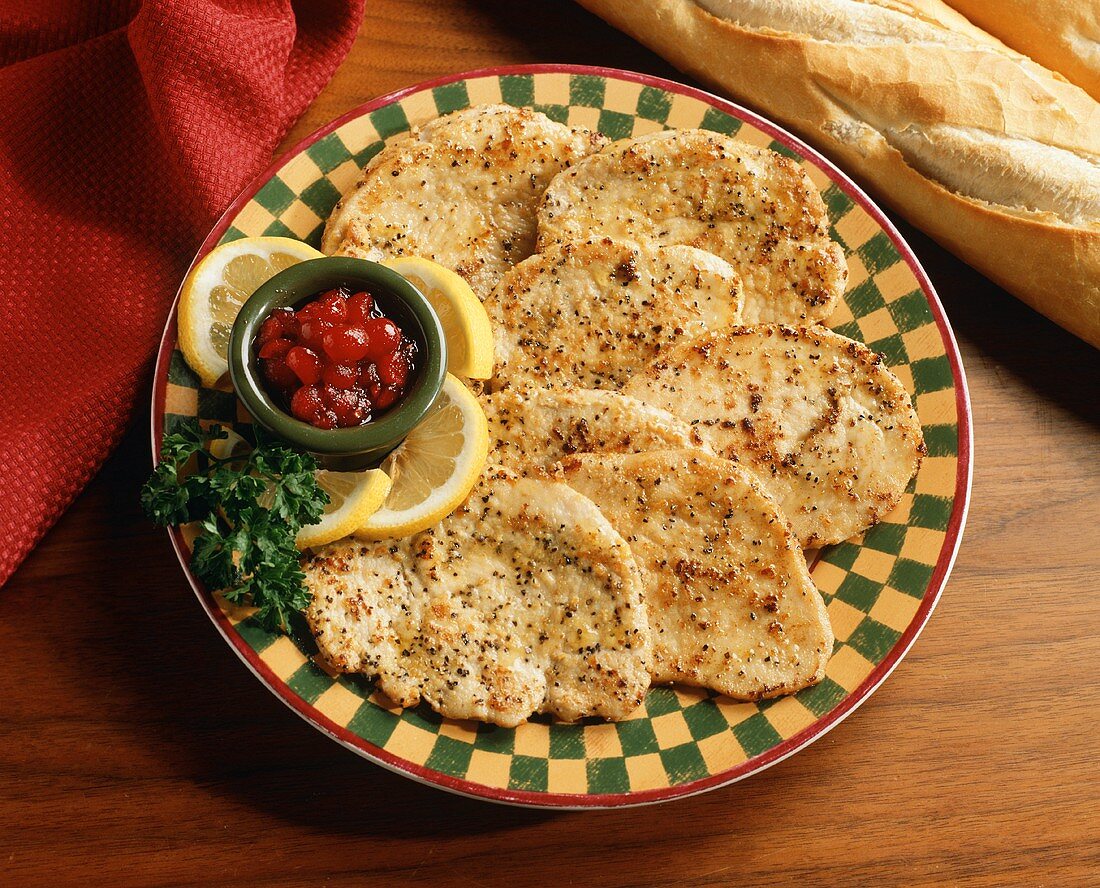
(136,750)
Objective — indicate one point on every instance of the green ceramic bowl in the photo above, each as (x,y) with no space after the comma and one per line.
(365,446)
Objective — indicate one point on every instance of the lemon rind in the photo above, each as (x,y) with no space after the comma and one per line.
(196,348)
(366,501)
(474,324)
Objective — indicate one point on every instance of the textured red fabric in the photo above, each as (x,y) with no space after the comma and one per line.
(125,128)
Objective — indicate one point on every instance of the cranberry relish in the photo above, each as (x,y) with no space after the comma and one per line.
(337,361)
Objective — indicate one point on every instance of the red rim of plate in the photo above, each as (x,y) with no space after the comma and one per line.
(751,766)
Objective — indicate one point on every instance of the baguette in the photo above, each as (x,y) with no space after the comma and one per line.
(1063,35)
(991,154)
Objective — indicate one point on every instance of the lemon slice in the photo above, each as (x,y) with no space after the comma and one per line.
(435,468)
(216,289)
(232,445)
(353,496)
(465,323)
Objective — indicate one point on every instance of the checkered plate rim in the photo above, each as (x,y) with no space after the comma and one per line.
(777,750)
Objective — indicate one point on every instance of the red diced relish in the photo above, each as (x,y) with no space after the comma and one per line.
(337,361)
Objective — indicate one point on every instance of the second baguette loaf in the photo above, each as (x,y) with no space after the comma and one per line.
(993,155)
(1063,35)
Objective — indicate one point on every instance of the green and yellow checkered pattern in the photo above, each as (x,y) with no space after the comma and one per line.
(873,585)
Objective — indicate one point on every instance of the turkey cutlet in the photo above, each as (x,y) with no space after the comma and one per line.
(753,207)
(826,428)
(596,312)
(531,429)
(460,190)
(524,600)
(730,600)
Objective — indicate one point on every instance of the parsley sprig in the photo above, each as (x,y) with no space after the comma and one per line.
(249,509)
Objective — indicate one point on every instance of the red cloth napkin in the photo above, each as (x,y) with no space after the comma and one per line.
(125,128)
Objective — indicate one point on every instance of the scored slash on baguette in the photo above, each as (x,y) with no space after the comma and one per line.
(1063,35)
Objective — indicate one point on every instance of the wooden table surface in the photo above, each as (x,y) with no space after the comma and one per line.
(136,749)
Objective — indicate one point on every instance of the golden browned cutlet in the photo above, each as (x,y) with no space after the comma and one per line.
(751,206)
(730,600)
(820,420)
(594,313)
(460,190)
(524,600)
(533,428)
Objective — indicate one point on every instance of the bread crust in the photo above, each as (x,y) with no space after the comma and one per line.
(1063,35)
(956,81)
